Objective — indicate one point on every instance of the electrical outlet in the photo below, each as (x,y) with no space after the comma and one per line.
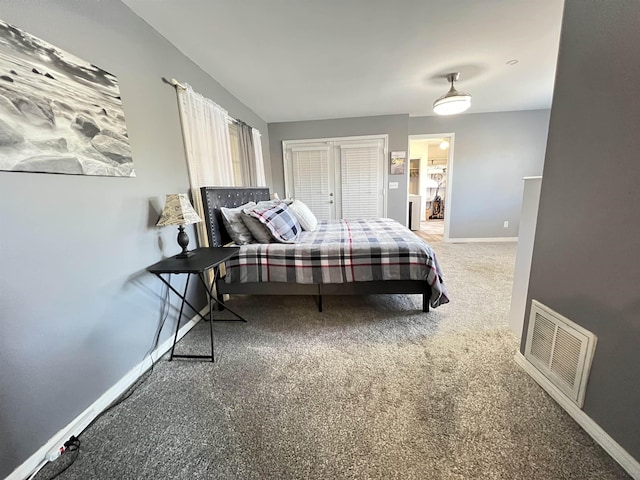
(506,224)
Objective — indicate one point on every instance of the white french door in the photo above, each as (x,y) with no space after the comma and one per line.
(338,178)
(312,178)
(361,185)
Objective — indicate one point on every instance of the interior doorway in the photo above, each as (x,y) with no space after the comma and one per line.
(430,168)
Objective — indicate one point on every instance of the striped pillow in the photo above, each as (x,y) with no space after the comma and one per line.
(281,222)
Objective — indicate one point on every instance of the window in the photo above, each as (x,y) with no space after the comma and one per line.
(236,160)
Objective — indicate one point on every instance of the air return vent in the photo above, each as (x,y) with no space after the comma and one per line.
(561,350)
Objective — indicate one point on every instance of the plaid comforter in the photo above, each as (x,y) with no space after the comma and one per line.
(342,251)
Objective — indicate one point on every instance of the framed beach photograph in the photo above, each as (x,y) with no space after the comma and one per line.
(58,113)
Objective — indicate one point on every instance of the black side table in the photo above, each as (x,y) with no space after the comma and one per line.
(200,260)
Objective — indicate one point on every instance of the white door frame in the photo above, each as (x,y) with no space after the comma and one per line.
(385,156)
(447,197)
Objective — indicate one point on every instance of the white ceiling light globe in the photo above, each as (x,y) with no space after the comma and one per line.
(452,105)
(453,101)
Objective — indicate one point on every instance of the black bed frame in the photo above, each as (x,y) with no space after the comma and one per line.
(215,197)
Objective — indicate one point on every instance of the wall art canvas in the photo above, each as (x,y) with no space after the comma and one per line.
(58,113)
(398,162)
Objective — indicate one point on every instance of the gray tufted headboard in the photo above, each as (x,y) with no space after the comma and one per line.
(215,197)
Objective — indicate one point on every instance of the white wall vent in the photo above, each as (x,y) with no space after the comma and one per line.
(560,349)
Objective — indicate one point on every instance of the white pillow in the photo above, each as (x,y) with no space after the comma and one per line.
(307,219)
(232,218)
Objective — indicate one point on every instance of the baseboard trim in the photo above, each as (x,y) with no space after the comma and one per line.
(480,240)
(596,432)
(78,424)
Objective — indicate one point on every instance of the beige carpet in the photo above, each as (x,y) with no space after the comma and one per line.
(370,389)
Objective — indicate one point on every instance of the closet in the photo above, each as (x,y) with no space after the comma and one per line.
(339,177)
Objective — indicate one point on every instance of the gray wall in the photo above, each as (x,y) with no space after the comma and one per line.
(492,152)
(586,262)
(77,308)
(396,126)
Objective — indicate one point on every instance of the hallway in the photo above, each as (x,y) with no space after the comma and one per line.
(431,230)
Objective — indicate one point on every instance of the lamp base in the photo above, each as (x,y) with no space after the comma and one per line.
(183,241)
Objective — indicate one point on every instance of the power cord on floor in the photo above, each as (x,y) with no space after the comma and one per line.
(73,444)
(164,314)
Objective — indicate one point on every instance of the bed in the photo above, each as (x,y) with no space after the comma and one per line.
(340,257)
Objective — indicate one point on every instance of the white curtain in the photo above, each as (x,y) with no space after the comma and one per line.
(207,147)
(257,145)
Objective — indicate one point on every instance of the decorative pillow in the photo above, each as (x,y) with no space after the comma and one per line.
(281,222)
(307,219)
(259,231)
(271,203)
(232,218)
(267,203)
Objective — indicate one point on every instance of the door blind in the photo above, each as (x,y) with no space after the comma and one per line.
(361,181)
(310,168)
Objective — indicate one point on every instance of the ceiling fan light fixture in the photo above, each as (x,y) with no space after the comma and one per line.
(453,101)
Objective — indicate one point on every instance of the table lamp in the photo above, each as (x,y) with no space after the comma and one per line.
(178,211)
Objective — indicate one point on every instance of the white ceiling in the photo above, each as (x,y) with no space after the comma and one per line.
(310,59)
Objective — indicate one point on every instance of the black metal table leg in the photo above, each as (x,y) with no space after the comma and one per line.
(211,326)
(184,296)
(214,299)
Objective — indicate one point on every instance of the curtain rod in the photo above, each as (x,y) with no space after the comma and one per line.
(177,84)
